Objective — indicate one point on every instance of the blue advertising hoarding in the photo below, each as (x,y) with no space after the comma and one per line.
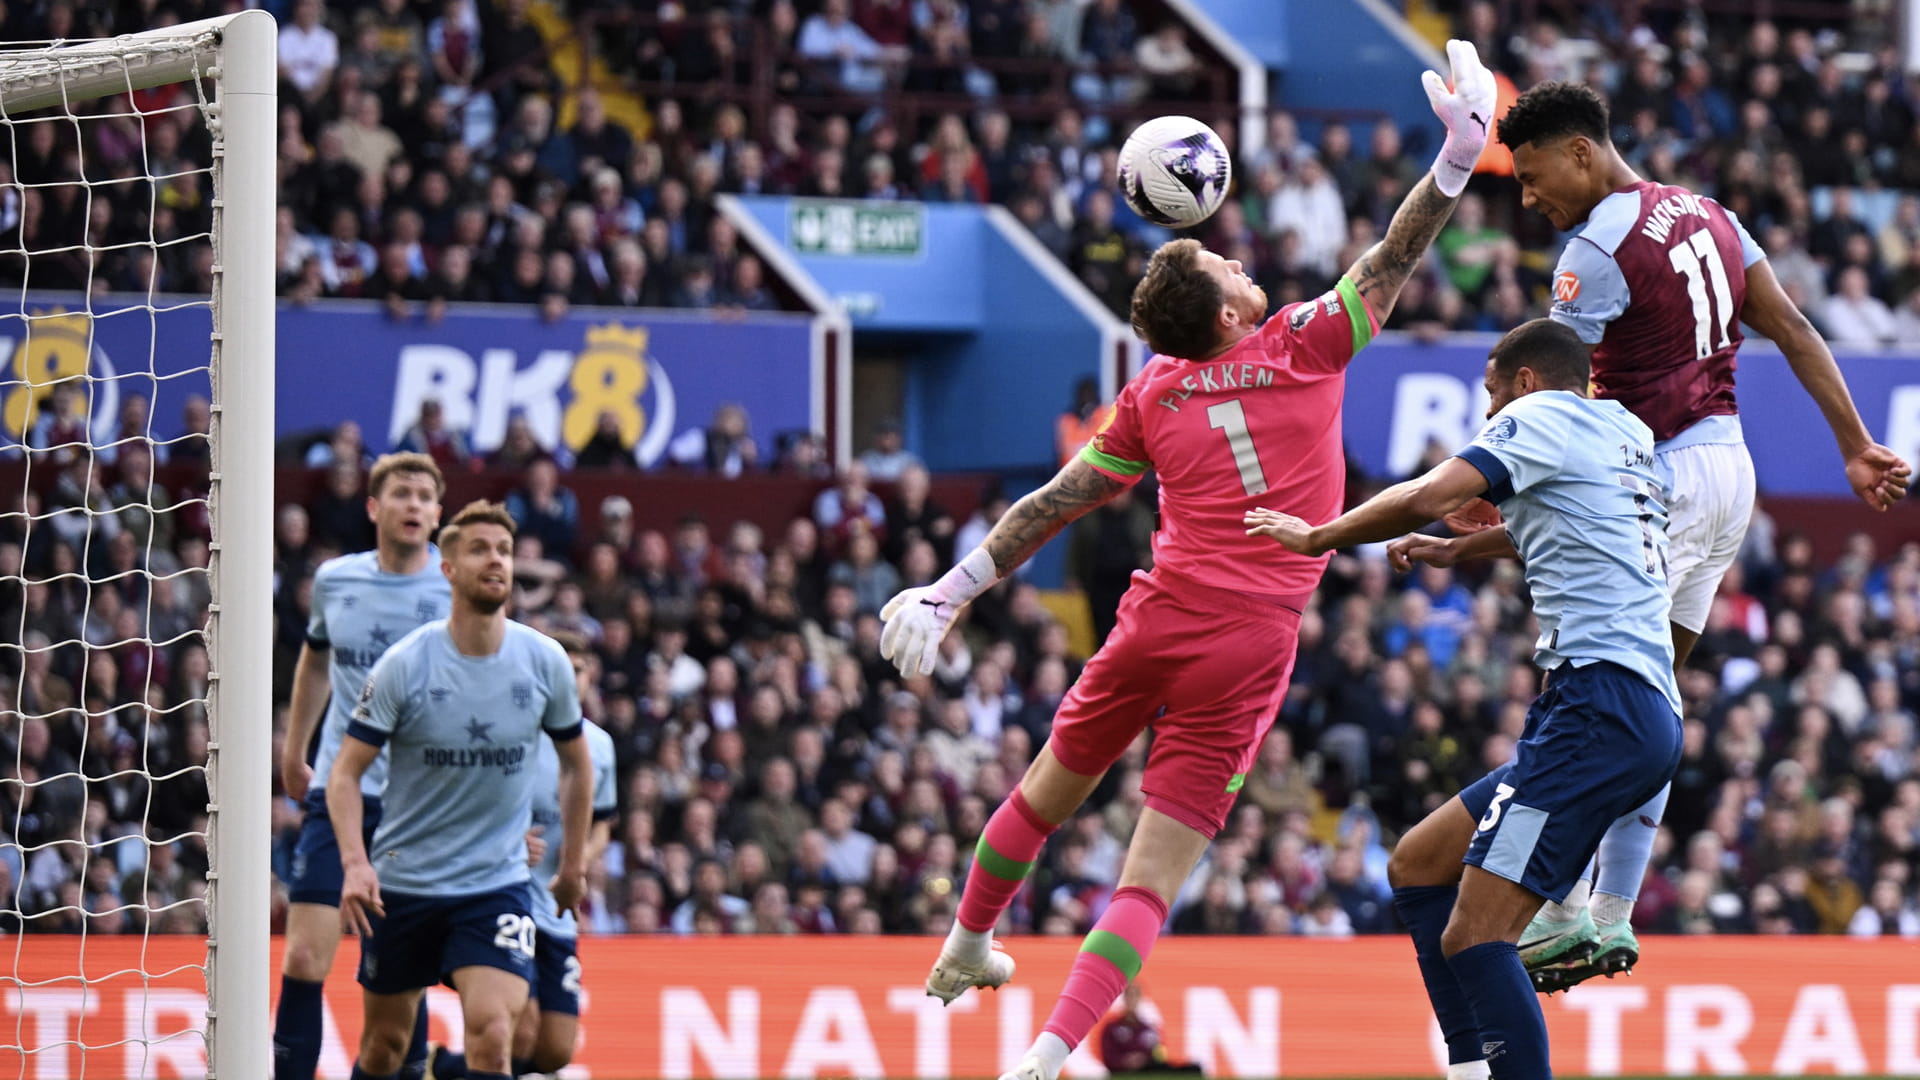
(160,354)
(1401,395)
(661,373)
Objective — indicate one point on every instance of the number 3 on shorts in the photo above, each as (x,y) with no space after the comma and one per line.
(515,933)
(1501,793)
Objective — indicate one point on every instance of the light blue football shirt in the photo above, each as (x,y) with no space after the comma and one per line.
(359,611)
(463,735)
(546,814)
(1577,483)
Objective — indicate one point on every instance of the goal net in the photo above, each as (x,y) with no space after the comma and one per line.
(136,402)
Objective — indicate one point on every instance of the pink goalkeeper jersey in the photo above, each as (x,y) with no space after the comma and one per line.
(1258,425)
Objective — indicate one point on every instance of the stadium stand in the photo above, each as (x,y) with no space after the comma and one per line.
(775,775)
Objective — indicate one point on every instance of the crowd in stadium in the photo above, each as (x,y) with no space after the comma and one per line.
(775,774)
(1815,153)
(424,158)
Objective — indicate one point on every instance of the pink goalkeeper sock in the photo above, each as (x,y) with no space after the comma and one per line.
(1109,959)
(1001,862)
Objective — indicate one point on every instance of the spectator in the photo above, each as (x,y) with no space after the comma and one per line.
(888,457)
(597,141)
(1170,67)
(726,447)
(1130,1042)
(1468,246)
(873,581)
(1853,316)
(546,511)
(309,51)
(1099,252)
(608,447)
(850,506)
(339,516)
(1309,206)
(365,142)
(849,850)
(519,446)
(345,444)
(833,41)
(431,436)
(1831,893)
(913,516)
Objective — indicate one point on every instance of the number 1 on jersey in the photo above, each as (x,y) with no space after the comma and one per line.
(1229,417)
(1698,259)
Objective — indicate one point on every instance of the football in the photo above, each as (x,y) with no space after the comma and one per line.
(1174,171)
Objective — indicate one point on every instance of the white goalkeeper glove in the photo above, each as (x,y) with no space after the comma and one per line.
(1467,110)
(917,619)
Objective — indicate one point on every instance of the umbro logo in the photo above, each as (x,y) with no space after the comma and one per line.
(1491,1050)
(349,600)
(439,694)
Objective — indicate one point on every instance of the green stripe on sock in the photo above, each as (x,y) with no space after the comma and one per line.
(999,865)
(1116,949)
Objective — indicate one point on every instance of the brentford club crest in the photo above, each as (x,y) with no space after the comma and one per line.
(522,694)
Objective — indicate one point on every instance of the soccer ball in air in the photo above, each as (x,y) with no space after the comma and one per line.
(1174,171)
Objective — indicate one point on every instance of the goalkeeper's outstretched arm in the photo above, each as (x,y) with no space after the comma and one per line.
(1037,518)
(917,619)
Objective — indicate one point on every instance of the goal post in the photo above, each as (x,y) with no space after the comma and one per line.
(232,63)
(240,753)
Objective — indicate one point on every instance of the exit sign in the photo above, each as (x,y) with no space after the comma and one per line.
(837,227)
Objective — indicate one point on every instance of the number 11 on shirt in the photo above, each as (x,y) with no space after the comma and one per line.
(1229,417)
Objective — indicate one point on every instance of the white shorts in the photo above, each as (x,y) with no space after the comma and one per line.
(1709,504)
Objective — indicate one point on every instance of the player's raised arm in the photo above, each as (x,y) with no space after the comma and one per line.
(1876,474)
(1467,111)
(917,619)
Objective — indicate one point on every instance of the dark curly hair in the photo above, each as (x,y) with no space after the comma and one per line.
(1552,110)
(1176,302)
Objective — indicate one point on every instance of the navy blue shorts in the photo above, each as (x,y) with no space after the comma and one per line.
(423,940)
(556,981)
(1599,742)
(316,858)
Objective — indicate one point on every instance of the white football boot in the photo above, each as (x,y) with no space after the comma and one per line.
(950,978)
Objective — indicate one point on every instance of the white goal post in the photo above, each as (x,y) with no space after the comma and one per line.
(235,56)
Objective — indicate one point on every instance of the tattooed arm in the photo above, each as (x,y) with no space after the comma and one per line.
(915,621)
(1385,267)
(1036,519)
